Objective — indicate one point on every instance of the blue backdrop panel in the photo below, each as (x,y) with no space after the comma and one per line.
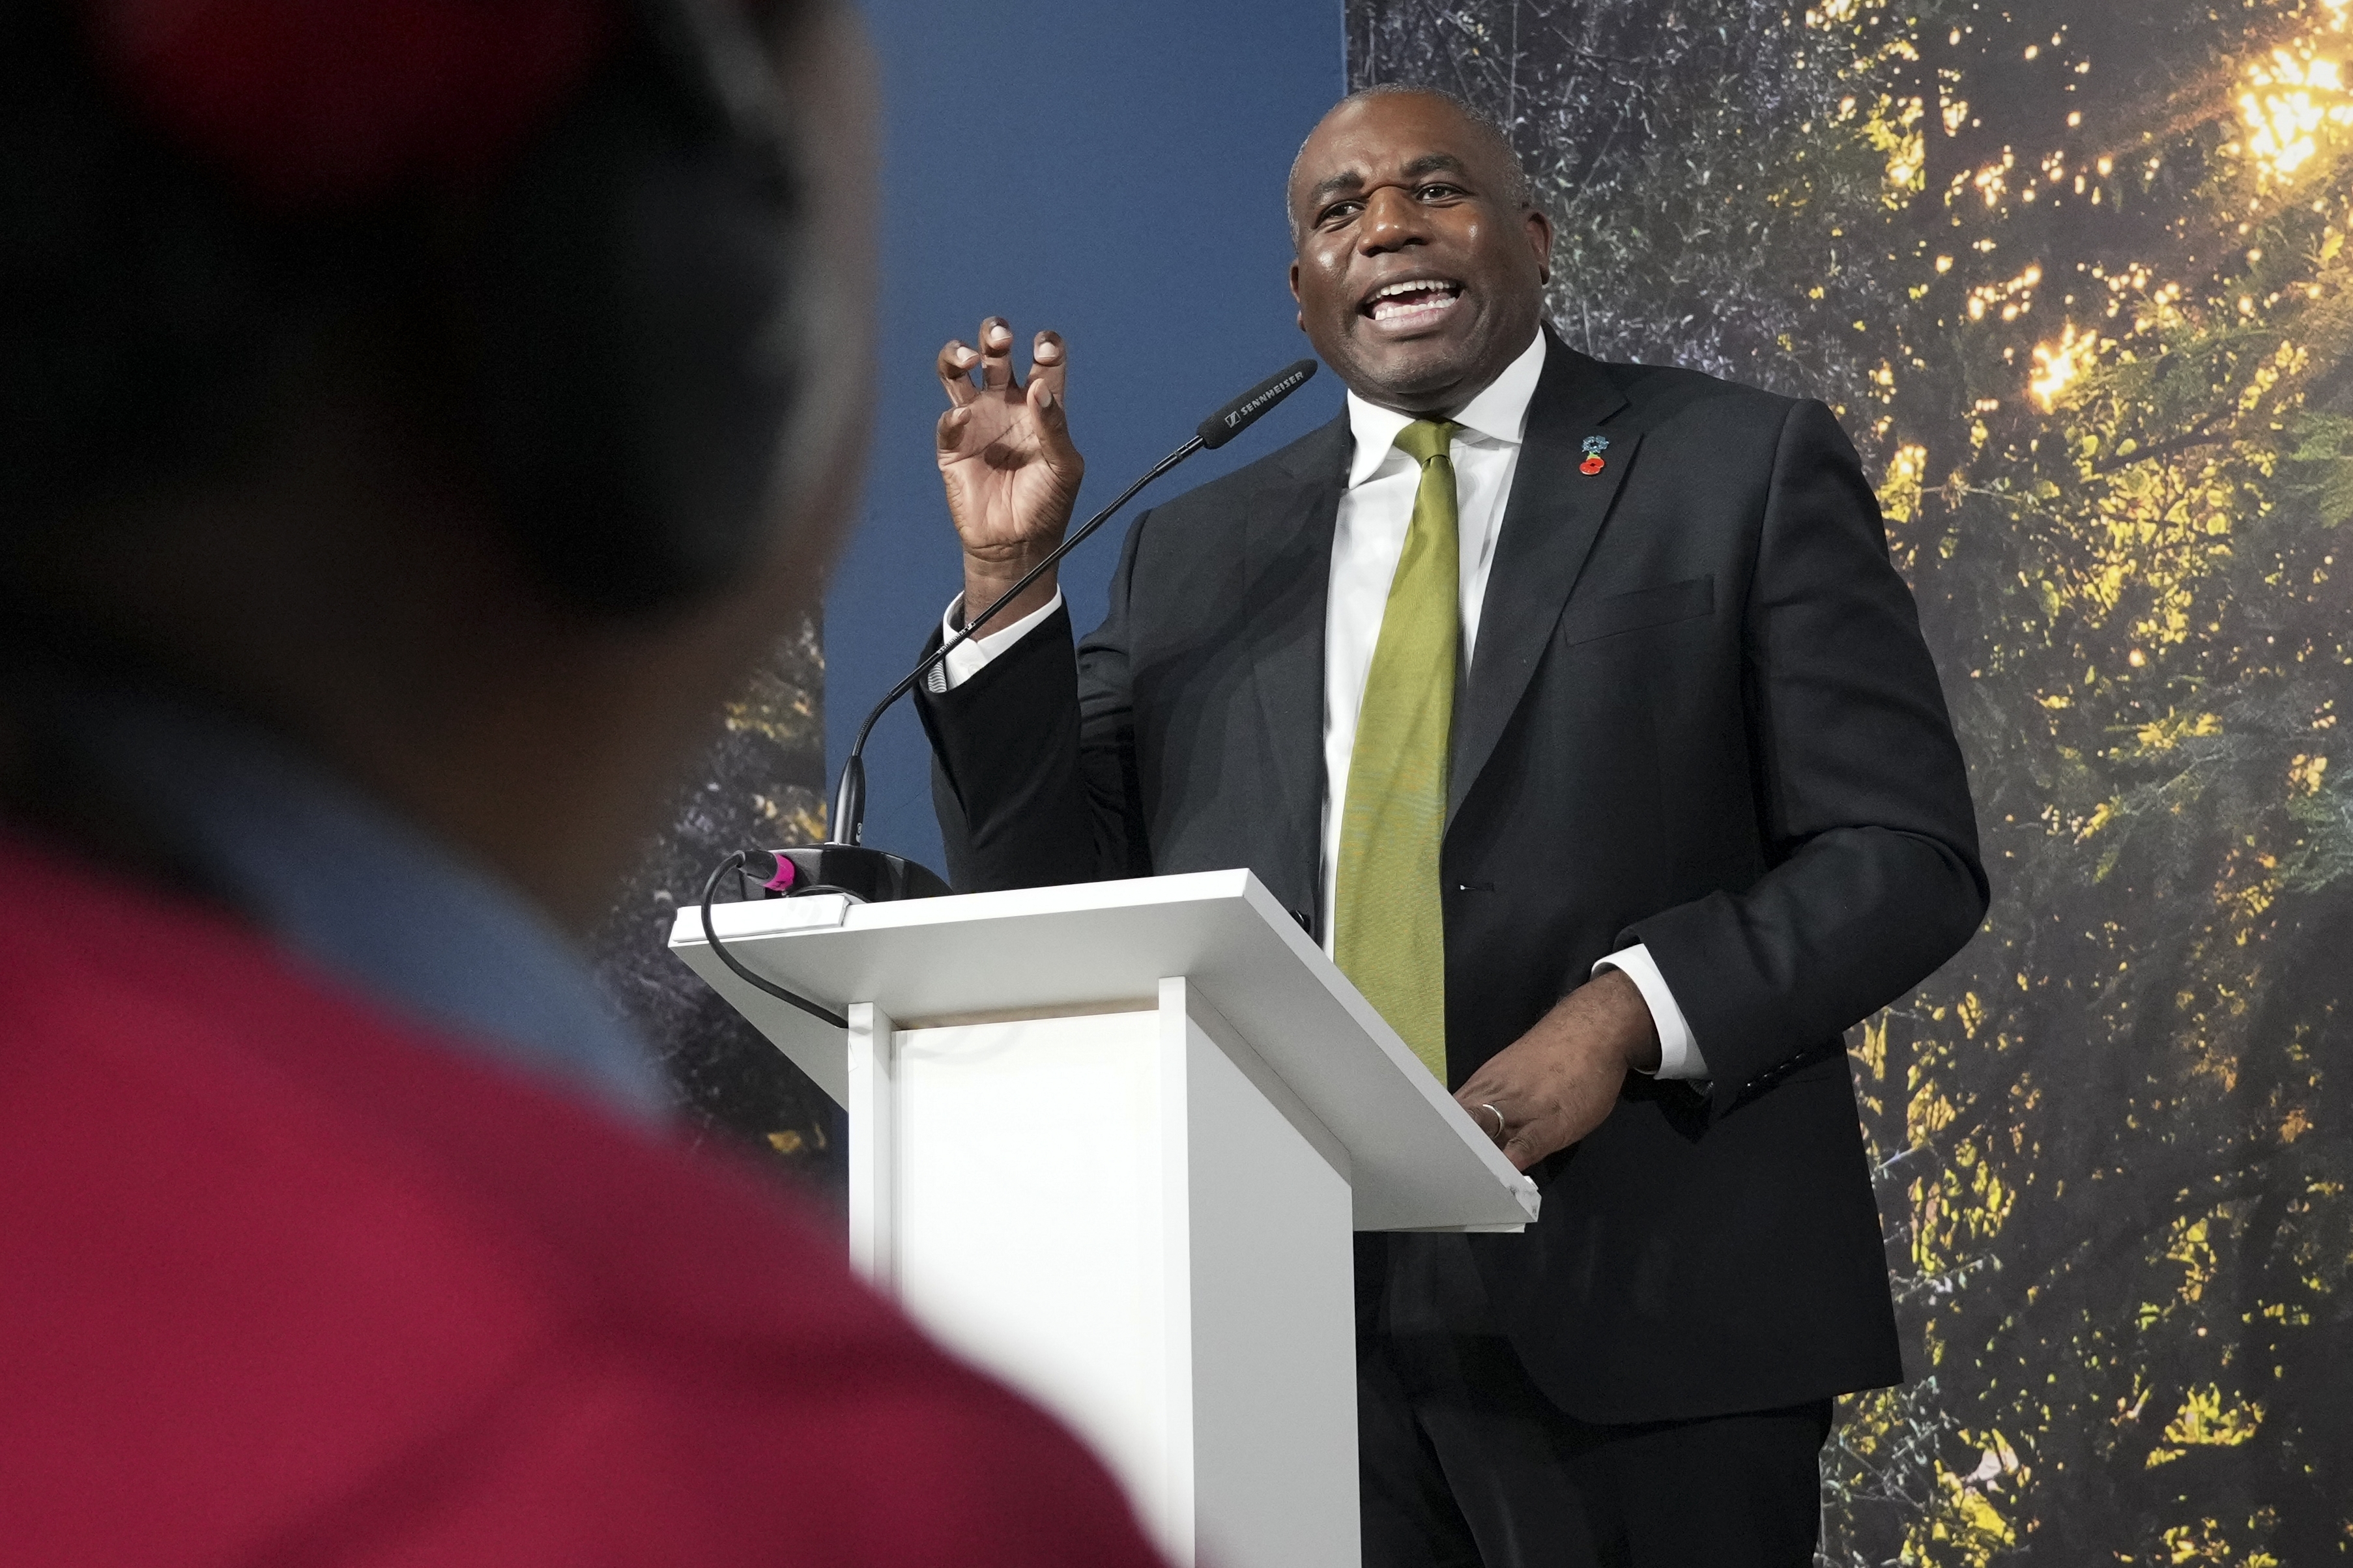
(1114,171)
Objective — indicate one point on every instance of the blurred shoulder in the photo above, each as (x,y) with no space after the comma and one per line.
(290,1245)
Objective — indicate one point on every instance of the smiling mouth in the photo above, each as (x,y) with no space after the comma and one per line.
(1412,303)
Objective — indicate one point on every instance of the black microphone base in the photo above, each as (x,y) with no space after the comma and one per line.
(874,874)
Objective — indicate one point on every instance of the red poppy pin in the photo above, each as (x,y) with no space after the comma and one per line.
(1594,447)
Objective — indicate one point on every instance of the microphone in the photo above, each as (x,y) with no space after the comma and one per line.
(844,865)
(889,876)
(1247,410)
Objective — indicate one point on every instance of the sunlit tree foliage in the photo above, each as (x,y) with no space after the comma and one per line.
(758,785)
(2074,275)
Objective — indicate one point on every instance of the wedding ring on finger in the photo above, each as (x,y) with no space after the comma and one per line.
(1502,1131)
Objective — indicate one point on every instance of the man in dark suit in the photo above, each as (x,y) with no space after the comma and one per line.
(1578,710)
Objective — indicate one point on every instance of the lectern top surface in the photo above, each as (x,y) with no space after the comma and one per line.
(1417,1162)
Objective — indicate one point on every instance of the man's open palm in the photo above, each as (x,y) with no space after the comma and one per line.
(1006,456)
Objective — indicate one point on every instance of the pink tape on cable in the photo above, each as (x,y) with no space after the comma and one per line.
(783,879)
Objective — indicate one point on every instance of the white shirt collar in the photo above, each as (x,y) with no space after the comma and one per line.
(1499,413)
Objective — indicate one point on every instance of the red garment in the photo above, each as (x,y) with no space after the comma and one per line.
(283,1280)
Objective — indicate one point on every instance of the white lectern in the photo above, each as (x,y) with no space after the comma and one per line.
(1108,1141)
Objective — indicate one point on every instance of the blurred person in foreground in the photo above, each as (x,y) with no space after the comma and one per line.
(415,417)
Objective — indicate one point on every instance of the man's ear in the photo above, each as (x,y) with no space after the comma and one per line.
(1294,288)
(1540,228)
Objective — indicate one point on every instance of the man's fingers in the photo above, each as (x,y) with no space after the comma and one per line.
(1488,1117)
(954,366)
(996,354)
(1053,425)
(952,429)
(1050,361)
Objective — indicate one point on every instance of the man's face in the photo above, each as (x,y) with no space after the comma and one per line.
(1418,279)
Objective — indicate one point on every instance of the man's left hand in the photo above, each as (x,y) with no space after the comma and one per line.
(1556,1083)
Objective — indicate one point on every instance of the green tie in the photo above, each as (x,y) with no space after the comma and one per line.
(1389,922)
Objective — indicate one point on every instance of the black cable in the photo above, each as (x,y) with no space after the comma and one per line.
(709,890)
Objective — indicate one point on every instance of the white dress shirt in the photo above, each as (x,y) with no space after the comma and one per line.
(1375,511)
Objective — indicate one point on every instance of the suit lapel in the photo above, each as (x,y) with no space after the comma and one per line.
(1288,577)
(1550,521)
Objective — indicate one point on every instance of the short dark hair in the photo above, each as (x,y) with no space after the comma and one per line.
(1521,193)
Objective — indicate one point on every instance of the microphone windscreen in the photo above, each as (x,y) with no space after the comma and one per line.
(1245,411)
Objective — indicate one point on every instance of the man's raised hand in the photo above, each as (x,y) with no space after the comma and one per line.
(1008,464)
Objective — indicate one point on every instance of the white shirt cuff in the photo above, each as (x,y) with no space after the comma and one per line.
(1678,1052)
(968,659)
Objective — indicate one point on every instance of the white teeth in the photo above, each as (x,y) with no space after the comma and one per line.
(1416,297)
(1387,309)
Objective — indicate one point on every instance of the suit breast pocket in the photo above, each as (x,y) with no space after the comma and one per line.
(1590,619)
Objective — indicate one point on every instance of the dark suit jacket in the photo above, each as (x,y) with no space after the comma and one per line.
(1699,716)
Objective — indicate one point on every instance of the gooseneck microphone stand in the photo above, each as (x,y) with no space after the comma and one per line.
(843,864)
(850,794)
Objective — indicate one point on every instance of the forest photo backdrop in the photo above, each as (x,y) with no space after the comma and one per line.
(2074,276)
